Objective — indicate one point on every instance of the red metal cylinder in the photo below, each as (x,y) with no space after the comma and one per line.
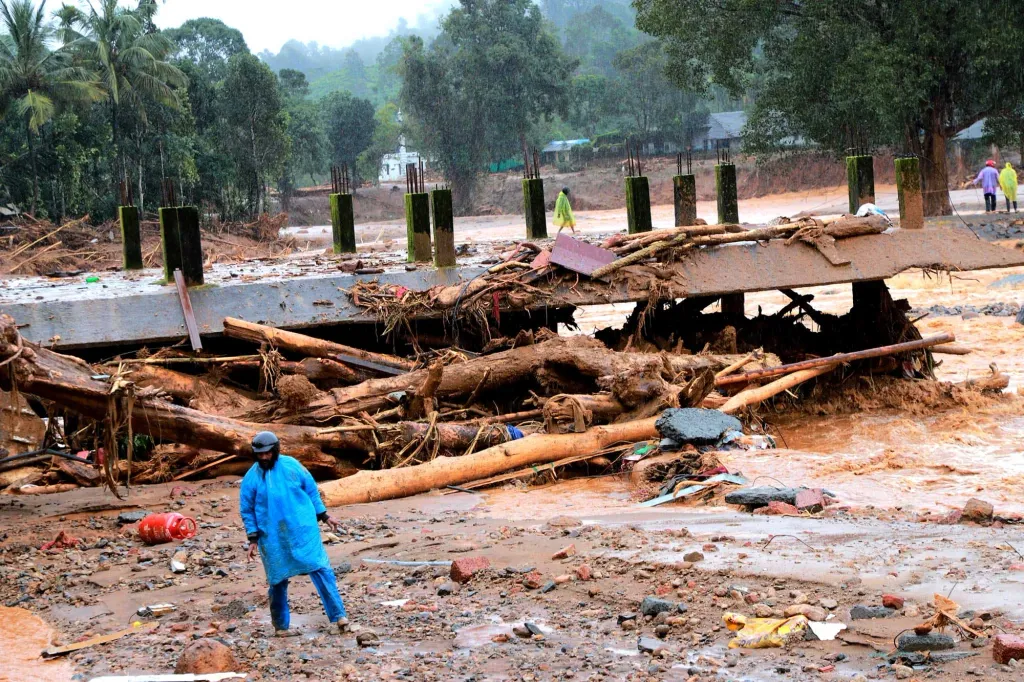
(159,528)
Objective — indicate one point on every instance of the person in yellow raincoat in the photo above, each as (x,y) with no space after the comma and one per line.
(1008,181)
(563,212)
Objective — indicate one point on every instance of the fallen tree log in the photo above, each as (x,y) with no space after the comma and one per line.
(69,383)
(919,344)
(753,396)
(583,360)
(373,486)
(308,345)
(197,392)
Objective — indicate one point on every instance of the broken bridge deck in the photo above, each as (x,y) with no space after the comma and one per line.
(304,293)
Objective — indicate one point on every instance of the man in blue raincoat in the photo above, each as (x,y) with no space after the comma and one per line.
(280,506)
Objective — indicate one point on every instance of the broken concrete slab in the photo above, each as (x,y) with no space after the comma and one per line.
(935,641)
(696,425)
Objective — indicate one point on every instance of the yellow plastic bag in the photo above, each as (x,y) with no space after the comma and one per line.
(764,633)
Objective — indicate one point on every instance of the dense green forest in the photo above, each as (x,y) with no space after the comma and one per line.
(94,95)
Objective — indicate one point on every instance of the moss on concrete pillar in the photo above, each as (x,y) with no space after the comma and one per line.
(860,178)
(908,186)
(191,245)
(638,204)
(533,208)
(343,223)
(170,242)
(131,237)
(444,228)
(684,194)
(417,227)
(725,188)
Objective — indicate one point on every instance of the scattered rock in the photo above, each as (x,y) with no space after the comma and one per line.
(910,641)
(178,562)
(522,632)
(1007,648)
(763,611)
(564,522)
(814,613)
(777,508)
(564,553)
(649,645)
(342,567)
(206,656)
(583,572)
(977,511)
(445,589)
(862,612)
(127,517)
(367,638)
(234,609)
(548,586)
(892,601)
(693,557)
(532,581)
(623,617)
(811,500)
(695,425)
(903,672)
(652,606)
(830,604)
(465,568)
(662,631)
(533,628)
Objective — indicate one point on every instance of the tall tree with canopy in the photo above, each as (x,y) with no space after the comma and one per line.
(850,72)
(493,72)
(131,62)
(35,81)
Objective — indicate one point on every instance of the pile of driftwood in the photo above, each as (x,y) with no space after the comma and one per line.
(377,425)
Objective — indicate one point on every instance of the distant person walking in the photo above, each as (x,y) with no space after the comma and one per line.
(1008,181)
(563,212)
(989,179)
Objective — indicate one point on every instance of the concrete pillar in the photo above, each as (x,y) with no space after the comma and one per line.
(343,223)
(734,304)
(908,186)
(860,178)
(444,228)
(170,242)
(684,190)
(417,226)
(191,245)
(638,204)
(131,237)
(533,208)
(725,188)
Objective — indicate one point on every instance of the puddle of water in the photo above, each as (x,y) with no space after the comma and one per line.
(22,637)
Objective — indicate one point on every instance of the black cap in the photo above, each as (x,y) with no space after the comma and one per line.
(565,190)
(264,441)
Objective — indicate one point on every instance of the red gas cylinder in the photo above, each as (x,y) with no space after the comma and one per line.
(159,528)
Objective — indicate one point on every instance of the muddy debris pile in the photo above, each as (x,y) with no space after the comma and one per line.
(458,394)
(39,247)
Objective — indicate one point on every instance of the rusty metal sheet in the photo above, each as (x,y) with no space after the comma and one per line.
(579,256)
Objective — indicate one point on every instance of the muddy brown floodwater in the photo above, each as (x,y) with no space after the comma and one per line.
(22,636)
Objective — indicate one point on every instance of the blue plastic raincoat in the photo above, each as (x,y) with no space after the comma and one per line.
(281,506)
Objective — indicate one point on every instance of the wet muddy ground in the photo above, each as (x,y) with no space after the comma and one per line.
(897,466)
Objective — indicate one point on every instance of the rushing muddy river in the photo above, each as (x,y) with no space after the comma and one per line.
(22,637)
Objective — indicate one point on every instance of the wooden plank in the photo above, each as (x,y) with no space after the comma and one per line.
(186,309)
(99,639)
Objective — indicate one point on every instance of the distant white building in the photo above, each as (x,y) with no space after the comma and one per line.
(724,130)
(392,166)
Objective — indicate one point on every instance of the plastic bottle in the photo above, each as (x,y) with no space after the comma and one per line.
(159,528)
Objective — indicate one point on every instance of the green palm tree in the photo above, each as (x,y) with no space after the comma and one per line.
(130,60)
(35,80)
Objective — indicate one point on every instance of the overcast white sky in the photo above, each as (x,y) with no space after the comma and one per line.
(269,24)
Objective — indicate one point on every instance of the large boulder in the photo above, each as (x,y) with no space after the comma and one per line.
(206,656)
